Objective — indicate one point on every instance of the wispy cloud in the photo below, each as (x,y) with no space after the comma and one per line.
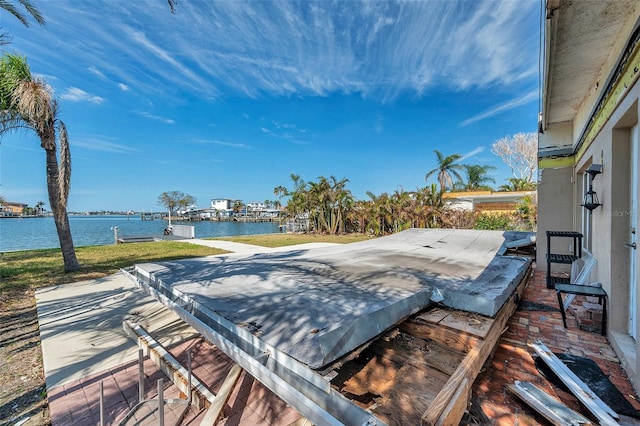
(223,143)
(155,117)
(99,143)
(287,131)
(20,146)
(472,153)
(380,50)
(123,87)
(74,94)
(378,126)
(97,72)
(506,106)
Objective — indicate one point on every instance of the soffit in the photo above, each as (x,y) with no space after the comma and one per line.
(580,39)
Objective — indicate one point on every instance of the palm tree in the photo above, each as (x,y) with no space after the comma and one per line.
(401,207)
(477,177)
(237,206)
(518,184)
(379,212)
(39,206)
(27,102)
(13,10)
(447,169)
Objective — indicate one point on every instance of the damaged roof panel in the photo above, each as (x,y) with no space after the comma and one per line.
(318,305)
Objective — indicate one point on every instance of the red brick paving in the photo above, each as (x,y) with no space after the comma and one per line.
(512,359)
(78,402)
(252,404)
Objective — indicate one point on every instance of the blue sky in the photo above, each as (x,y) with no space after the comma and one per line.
(228,98)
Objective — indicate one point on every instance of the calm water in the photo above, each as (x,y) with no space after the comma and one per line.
(37,233)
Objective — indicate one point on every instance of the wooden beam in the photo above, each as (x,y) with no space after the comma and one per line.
(452,339)
(432,357)
(457,404)
(445,409)
(212,415)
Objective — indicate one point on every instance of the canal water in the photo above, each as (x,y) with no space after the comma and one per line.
(39,233)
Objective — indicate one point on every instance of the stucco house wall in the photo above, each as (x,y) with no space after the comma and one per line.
(598,130)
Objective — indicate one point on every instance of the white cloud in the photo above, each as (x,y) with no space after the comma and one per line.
(506,106)
(74,94)
(472,153)
(100,143)
(378,49)
(155,117)
(229,144)
(123,87)
(97,72)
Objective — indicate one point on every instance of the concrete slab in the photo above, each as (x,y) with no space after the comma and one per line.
(81,326)
(317,305)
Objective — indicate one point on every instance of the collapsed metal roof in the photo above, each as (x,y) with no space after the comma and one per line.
(284,316)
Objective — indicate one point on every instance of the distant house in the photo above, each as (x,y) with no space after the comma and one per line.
(222,204)
(12,209)
(486,201)
(256,206)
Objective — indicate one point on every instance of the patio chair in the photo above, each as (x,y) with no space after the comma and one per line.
(579,285)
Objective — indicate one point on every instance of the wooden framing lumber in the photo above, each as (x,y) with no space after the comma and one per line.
(445,408)
(212,415)
(452,339)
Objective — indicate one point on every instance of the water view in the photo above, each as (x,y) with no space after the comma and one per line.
(39,233)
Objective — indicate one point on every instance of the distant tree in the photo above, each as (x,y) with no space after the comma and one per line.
(173,200)
(477,177)
(517,184)
(23,18)
(447,169)
(237,206)
(280,191)
(520,153)
(27,102)
(527,208)
(39,207)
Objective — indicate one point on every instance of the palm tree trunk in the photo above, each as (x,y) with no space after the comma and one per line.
(59,211)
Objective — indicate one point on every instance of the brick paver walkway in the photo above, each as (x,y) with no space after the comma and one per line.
(513,358)
(78,402)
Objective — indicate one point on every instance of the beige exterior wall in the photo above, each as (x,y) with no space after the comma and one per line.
(612,225)
(560,195)
(555,210)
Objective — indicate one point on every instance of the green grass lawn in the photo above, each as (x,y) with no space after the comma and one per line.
(30,269)
(279,240)
(27,269)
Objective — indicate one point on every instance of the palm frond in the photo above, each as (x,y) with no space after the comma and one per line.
(13,70)
(33,11)
(34,101)
(4,4)
(11,122)
(65,165)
